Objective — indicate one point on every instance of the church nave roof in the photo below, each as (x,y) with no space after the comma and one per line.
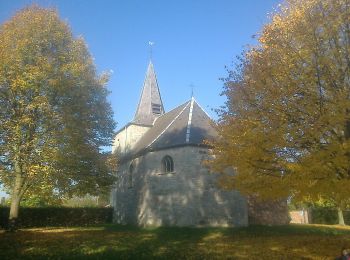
(187,124)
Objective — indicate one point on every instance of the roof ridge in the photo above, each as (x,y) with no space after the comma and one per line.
(189,122)
(201,108)
(169,125)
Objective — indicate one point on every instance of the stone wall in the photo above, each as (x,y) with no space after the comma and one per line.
(267,212)
(186,197)
(127,137)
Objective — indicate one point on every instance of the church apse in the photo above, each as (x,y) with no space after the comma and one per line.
(161,178)
(188,196)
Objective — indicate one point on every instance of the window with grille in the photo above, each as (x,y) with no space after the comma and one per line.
(167,164)
(156,109)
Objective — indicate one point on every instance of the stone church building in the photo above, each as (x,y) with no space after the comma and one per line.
(162,180)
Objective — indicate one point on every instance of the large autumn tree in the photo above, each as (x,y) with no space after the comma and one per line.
(285,129)
(54,117)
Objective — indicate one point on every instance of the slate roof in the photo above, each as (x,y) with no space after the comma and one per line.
(150,100)
(187,124)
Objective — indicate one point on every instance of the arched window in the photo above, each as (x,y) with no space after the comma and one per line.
(167,164)
(130,173)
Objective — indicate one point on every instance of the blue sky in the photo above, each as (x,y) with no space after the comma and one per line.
(194,40)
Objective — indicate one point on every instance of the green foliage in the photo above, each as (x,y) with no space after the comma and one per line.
(297,205)
(33,200)
(329,216)
(54,115)
(285,129)
(58,216)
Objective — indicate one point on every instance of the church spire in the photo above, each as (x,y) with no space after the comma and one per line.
(150,105)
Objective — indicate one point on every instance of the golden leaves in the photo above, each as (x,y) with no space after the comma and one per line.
(286,127)
(54,114)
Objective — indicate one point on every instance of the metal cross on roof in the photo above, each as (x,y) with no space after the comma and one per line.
(192,89)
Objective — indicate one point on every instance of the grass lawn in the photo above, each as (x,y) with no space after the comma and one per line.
(120,242)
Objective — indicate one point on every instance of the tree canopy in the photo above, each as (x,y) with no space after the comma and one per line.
(54,115)
(285,128)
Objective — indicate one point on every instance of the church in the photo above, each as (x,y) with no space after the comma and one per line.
(162,179)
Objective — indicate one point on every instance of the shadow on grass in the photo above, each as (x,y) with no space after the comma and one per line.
(292,229)
(130,242)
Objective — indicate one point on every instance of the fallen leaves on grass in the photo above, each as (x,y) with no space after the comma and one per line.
(292,242)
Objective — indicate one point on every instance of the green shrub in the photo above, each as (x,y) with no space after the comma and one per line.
(328,216)
(58,216)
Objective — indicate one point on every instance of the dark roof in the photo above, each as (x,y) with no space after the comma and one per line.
(187,124)
(150,105)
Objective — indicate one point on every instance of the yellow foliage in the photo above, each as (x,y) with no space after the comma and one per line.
(54,115)
(286,129)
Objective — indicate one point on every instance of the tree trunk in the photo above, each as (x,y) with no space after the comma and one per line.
(14,209)
(340,216)
(16,196)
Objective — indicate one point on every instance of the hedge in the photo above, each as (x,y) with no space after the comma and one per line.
(328,216)
(58,216)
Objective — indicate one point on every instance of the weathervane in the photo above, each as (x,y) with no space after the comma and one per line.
(150,49)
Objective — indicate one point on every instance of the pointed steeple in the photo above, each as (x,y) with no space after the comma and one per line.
(150,105)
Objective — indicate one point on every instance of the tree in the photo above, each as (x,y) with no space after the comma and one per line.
(41,200)
(285,128)
(54,117)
